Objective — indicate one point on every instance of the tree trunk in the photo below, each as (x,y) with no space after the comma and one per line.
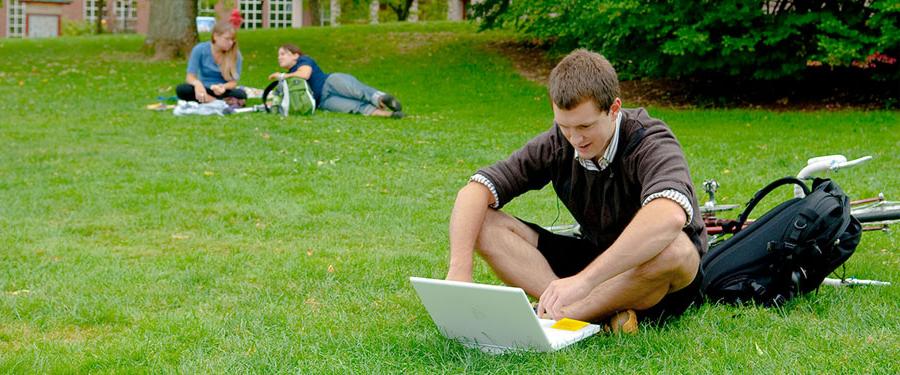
(414,11)
(454,10)
(173,28)
(313,7)
(335,12)
(401,9)
(101,6)
(373,11)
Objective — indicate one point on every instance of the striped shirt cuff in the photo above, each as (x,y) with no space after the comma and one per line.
(482,179)
(676,197)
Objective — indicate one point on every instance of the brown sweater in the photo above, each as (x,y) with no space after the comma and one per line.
(648,160)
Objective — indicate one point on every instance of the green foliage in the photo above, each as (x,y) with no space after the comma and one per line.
(226,4)
(352,11)
(429,10)
(77,27)
(207,8)
(433,10)
(758,39)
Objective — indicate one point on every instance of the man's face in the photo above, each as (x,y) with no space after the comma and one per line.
(587,128)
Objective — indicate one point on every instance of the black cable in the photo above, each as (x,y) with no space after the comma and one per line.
(557,213)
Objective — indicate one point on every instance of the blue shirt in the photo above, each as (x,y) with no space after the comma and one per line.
(316,79)
(203,65)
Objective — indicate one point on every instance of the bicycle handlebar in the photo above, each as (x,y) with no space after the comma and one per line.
(828,163)
(854,162)
(825,163)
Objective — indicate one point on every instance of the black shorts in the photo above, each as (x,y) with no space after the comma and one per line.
(568,255)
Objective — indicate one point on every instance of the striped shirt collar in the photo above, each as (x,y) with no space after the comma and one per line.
(608,155)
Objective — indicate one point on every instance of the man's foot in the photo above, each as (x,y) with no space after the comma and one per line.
(623,322)
(390,102)
(397,115)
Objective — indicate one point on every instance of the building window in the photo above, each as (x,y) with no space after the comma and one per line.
(15,19)
(126,15)
(252,12)
(280,13)
(90,11)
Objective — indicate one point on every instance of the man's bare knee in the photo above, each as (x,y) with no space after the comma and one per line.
(499,229)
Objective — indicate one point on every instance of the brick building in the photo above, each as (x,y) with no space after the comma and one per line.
(46,18)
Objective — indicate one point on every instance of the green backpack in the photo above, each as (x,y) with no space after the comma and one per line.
(291,96)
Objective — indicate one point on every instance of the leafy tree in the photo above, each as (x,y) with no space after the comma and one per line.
(767,39)
(400,7)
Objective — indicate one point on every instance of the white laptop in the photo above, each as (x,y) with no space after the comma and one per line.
(493,318)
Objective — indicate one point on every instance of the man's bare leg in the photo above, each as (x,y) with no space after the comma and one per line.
(642,287)
(510,248)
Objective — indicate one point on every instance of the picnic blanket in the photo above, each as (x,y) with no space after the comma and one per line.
(215,107)
(252,93)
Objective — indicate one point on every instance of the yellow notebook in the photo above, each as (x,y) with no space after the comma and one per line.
(567,324)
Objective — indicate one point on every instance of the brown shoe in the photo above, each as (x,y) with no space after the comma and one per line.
(623,322)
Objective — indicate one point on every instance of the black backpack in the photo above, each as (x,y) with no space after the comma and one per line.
(788,251)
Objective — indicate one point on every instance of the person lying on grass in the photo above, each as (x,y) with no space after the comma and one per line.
(214,69)
(335,92)
(624,178)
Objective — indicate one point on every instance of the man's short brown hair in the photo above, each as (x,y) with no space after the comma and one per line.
(584,75)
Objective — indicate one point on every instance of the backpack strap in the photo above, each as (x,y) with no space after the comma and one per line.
(762,194)
(265,95)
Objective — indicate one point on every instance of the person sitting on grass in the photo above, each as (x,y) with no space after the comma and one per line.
(214,69)
(623,177)
(335,92)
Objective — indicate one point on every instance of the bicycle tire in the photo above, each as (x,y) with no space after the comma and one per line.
(886,211)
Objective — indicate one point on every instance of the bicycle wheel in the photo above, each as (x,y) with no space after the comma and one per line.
(882,212)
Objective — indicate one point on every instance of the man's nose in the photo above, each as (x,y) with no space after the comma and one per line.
(576,137)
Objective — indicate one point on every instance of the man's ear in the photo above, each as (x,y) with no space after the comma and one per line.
(615,107)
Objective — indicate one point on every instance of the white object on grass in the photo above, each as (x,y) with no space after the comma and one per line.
(493,318)
(853,281)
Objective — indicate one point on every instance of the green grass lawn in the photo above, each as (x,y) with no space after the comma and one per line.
(136,241)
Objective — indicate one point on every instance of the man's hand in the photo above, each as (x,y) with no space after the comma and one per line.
(561,293)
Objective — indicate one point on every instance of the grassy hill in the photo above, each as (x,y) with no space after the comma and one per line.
(139,241)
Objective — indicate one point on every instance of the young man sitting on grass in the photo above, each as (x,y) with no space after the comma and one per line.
(623,177)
